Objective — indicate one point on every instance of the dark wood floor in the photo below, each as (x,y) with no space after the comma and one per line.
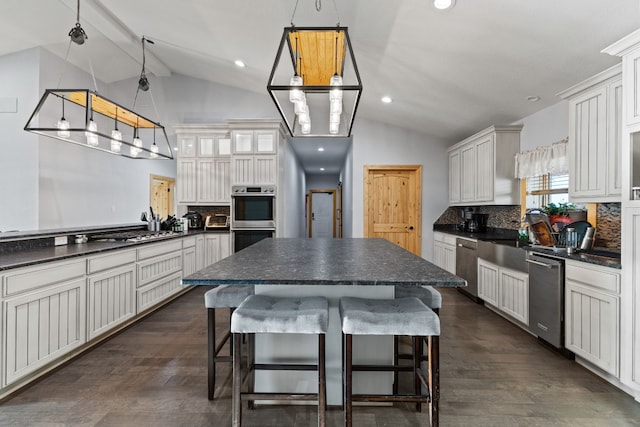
(154,374)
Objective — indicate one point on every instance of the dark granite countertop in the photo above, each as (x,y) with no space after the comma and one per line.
(598,256)
(490,234)
(301,261)
(37,255)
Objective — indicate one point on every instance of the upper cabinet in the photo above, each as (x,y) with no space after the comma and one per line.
(481,168)
(204,164)
(254,159)
(595,126)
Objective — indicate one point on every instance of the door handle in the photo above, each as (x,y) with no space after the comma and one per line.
(541,264)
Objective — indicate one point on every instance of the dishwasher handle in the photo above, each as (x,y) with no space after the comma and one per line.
(541,264)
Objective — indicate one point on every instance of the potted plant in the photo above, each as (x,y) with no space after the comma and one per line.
(561,214)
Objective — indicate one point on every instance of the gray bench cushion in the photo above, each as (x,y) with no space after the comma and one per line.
(401,316)
(427,294)
(227,296)
(268,314)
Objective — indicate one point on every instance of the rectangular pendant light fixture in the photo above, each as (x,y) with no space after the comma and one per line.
(316,86)
(85,118)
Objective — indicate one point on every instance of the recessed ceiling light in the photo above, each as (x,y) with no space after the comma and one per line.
(320,148)
(322,169)
(444,4)
(239,63)
(533,98)
(386,99)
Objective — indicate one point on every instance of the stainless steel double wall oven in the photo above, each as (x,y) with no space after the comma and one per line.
(253,214)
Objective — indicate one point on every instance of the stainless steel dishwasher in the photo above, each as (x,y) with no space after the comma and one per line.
(546,298)
(467,266)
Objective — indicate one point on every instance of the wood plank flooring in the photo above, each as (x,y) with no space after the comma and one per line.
(154,374)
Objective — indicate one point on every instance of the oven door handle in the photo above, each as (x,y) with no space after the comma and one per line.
(541,264)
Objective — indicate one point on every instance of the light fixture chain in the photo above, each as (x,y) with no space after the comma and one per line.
(93,75)
(295,8)
(335,6)
(64,68)
(78,14)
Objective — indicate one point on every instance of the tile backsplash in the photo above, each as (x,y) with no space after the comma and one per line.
(499,216)
(608,230)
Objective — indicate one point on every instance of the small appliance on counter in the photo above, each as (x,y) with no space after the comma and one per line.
(216,222)
(195,219)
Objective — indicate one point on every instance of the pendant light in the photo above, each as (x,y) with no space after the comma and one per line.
(92,132)
(335,96)
(63,125)
(137,142)
(116,136)
(154,147)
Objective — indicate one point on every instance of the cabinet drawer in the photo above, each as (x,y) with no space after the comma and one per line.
(188,242)
(156,268)
(31,278)
(104,262)
(156,249)
(158,291)
(603,278)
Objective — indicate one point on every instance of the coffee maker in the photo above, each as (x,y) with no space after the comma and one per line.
(467,219)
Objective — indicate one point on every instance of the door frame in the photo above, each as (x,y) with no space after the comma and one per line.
(414,168)
(310,207)
(171,185)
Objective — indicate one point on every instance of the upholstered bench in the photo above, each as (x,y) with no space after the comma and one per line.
(226,296)
(400,316)
(277,315)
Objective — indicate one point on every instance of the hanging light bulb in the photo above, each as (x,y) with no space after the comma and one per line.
(335,97)
(296,95)
(137,142)
(154,147)
(116,136)
(91,132)
(63,125)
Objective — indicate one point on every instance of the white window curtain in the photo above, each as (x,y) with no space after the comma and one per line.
(548,159)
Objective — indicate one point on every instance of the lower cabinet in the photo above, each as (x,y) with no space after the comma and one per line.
(159,272)
(111,285)
(444,251)
(505,289)
(592,314)
(216,247)
(45,312)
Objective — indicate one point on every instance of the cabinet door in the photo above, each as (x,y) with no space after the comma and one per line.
(242,170)
(206,180)
(222,181)
(592,325)
(514,294)
(189,261)
(614,140)
(454,177)
(243,142)
(468,173)
(206,146)
(587,144)
(265,141)
(488,286)
(187,146)
(211,248)
(225,245)
(438,254)
(223,147)
(187,176)
(485,169)
(631,72)
(450,258)
(42,326)
(199,253)
(265,170)
(111,299)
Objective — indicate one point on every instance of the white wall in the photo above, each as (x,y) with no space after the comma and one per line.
(291,211)
(377,144)
(19,158)
(346,176)
(545,127)
(322,182)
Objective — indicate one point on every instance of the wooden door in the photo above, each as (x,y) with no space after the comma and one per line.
(393,204)
(161,195)
(322,213)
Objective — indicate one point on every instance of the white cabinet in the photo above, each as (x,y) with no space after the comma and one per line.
(204,165)
(44,308)
(111,284)
(505,289)
(192,254)
(595,126)
(481,168)
(159,272)
(217,246)
(444,251)
(592,314)
(254,159)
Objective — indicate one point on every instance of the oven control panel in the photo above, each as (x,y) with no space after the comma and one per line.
(239,190)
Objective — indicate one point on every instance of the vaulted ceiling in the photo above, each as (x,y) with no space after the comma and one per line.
(449,73)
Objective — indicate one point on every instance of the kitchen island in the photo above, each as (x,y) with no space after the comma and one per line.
(361,267)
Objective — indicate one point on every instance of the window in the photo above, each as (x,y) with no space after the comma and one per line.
(545,189)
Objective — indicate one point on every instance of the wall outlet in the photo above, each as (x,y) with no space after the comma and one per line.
(60,240)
